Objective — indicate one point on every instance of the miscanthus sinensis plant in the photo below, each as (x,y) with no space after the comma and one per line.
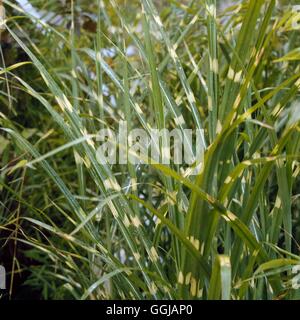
(84,230)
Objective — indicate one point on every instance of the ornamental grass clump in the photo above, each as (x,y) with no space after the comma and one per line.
(223,226)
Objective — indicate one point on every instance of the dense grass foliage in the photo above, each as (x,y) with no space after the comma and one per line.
(73,228)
